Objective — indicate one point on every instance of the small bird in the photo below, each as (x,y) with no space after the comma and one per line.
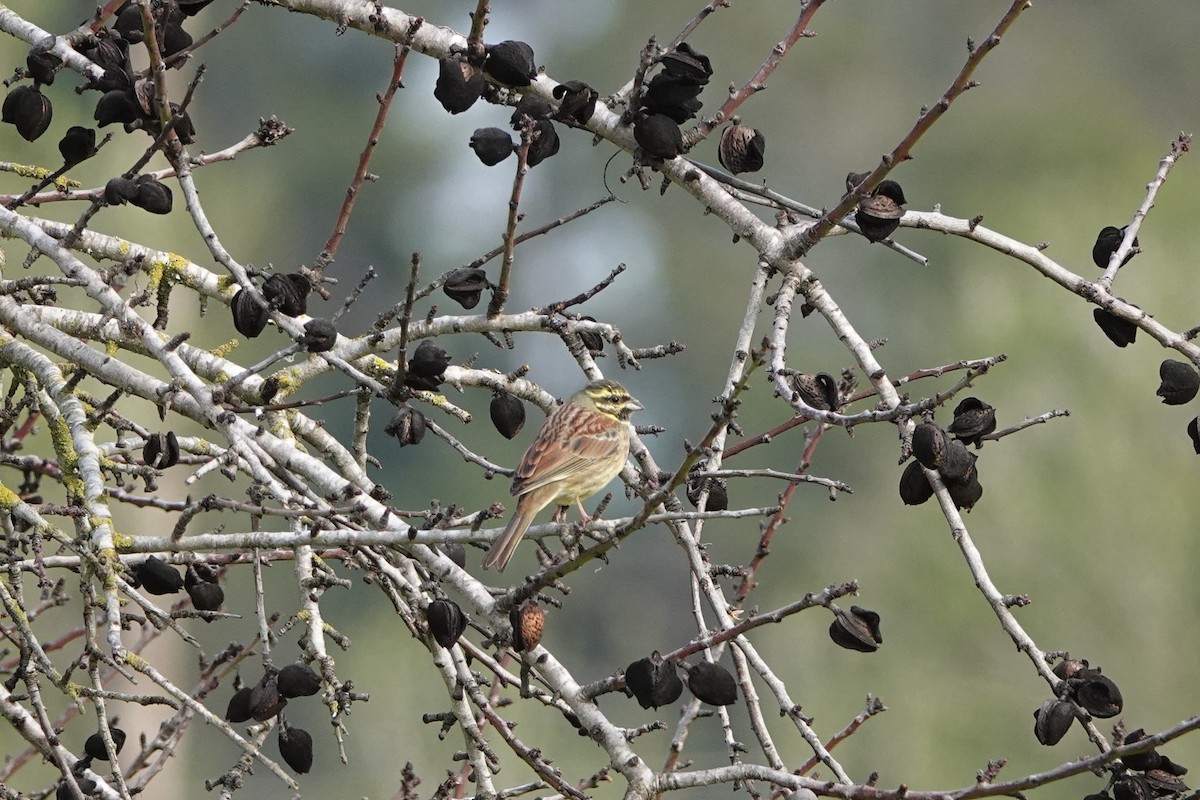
(580,448)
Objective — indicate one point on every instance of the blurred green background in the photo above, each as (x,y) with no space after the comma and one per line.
(1095,516)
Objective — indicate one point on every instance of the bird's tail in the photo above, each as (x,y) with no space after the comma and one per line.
(504,547)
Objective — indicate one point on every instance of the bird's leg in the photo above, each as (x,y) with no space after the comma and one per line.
(560,514)
(584,517)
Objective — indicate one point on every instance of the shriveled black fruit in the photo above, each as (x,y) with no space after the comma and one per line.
(544,143)
(29,110)
(77,144)
(248,316)
(465,286)
(507,413)
(459,85)
(967,493)
(718,493)
(681,113)
(128,24)
(200,573)
(528,621)
(174,39)
(296,747)
(407,426)
(1143,761)
(94,746)
(491,145)
(206,596)
(741,149)
(592,340)
(1107,242)
(1052,721)
(270,387)
(184,128)
(957,463)
(298,680)
(713,684)
(65,792)
(429,360)
(319,336)
(1165,784)
(1133,787)
(289,293)
(158,577)
(532,106)
(1097,693)
(686,61)
(116,106)
(819,391)
(153,196)
(914,486)
(120,190)
(1069,667)
(666,92)
(265,699)
(856,629)
(239,709)
(577,102)
(191,8)
(1193,430)
(510,62)
(973,419)
(42,65)
(161,450)
(878,217)
(455,552)
(653,681)
(1180,382)
(1120,332)
(929,444)
(658,135)
(446,621)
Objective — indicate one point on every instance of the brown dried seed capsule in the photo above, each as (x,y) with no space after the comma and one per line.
(1180,382)
(914,486)
(265,699)
(528,621)
(544,144)
(878,217)
(653,681)
(120,190)
(174,39)
(200,573)
(857,629)
(1097,693)
(741,149)
(957,463)
(270,388)
(298,680)
(407,426)
(713,684)
(1141,761)
(510,62)
(319,336)
(248,316)
(1193,430)
(455,552)
(65,792)
(429,360)
(577,102)
(1107,242)
(507,413)
(128,24)
(29,110)
(718,492)
(157,576)
(446,621)
(1052,721)
(206,596)
(667,93)
(819,391)
(592,340)
(973,419)
(77,144)
(239,709)
(532,106)
(928,444)
(465,286)
(296,747)
(459,85)
(658,135)
(1133,787)
(94,746)
(116,106)
(289,293)
(491,145)
(153,196)
(1120,332)
(966,494)
(42,65)
(686,61)
(161,450)
(1069,667)
(1165,784)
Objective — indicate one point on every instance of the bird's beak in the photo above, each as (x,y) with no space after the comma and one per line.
(634,404)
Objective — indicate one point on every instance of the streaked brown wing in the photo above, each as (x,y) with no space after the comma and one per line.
(551,458)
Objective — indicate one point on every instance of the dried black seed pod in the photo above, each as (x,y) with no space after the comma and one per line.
(446,621)
(967,493)
(1141,761)
(153,196)
(128,25)
(191,8)
(532,106)
(161,450)
(666,91)
(687,62)
(680,113)
(239,709)
(429,360)
(206,596)
(120,190)
(1120,332)
(1069,667)
(819,391)
(713,684)
(29,110)
(928,444)
(718,492)
(408,426)
(653,681)
(248,316)
(658,135)
(414,381)
(296,747)
(459,85)
(116,106)
(465,286)
(174,39)
(1107,242)
(319,336)
(528,621)
(491,145)
(507,413)
(200,573)
(857,629)
(157,576)
(298,680)
(270,387)
(1193,430)
(1052,721)
(973,419)
(77,144)
(957,463)
(544,144)
(94,746)
(577,102)
(1165,784)
(1098,796)
(1097,694)
(510,62)
(184,128)
(741,149)
(1180,382)
(289,293)
(1133,787)
(914,486)
(878,216)
(42,65)
(455,552)
(592,340)
(265,699)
